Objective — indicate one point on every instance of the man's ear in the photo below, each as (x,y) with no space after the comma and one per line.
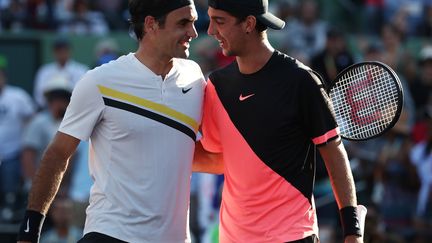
(250,23)
(150,24)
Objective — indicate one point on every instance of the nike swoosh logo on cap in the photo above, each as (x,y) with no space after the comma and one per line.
(242,98)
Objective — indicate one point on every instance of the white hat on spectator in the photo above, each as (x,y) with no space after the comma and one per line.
(58,82)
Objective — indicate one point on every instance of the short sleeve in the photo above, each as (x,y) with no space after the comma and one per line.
(84,111)
(316,110)
(210,131)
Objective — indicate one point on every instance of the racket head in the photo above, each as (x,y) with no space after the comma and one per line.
(367,100)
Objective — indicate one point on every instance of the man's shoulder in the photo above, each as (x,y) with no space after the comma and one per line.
(225,72)
(289,62)
(113,70)
(294,68)
(110,67)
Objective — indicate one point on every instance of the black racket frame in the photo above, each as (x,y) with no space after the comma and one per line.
(398,85)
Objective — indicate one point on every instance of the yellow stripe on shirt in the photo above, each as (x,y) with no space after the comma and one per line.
(162,109)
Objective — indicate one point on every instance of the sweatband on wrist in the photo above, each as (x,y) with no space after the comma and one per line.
(350,221)
(31,226)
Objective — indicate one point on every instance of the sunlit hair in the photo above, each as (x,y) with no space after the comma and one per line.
(138,10)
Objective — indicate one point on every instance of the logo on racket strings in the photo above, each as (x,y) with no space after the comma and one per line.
(363,102)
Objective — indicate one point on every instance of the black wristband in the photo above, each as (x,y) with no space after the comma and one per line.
(350,221)
(31,226)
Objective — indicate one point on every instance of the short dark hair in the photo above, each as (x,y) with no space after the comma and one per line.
(61,42)
(57,94)
(138,10)
(260,27)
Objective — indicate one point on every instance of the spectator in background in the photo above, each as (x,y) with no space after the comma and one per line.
(16,108)
(374,16)
(306,37)
(334,58)
(395,55)
(63,9)
(13,15)
(421,127)
(422,88)
(286,10)
(41,14)
(409,10)
(114,12)
(393,49)
(84,21)
(421,157)
(62,230)
(396,180)
(62,65)
(373,52)
(106,50)
(424,28)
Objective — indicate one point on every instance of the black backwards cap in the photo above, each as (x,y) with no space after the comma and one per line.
(139,10)
(158,11)
(257,8)
(170,6)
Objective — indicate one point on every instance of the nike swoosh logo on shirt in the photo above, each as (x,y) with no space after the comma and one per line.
(28,227)
(184,91)
(242,98)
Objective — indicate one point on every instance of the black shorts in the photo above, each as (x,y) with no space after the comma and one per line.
(310,239)
(94,237)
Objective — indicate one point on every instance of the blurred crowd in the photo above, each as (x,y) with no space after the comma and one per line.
(393,172)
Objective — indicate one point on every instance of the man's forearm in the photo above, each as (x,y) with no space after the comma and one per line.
(46,181)
(340,175)
(338,167)
(207,162)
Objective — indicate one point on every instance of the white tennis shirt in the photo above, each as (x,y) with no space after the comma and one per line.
(142,131)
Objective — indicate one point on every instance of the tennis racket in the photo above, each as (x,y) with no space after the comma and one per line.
(367,100)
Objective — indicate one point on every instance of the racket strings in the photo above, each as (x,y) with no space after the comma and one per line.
(365,101)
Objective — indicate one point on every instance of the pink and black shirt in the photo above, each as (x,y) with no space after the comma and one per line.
(267,125)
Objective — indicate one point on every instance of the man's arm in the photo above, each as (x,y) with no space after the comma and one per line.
(207,162)
(338,168)
(46,183)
